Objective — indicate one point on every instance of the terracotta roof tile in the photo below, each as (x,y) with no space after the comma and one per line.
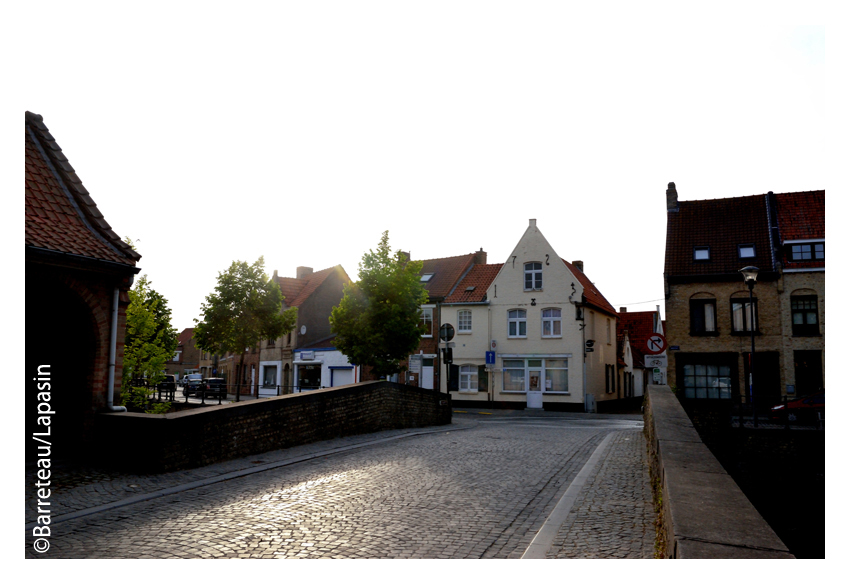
(59,214)
(185,336)
(479,279)
(592,295)
(801,215)
(297,290)
(639,326)
(447,271)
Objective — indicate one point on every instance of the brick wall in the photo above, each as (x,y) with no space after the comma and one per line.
(207,435)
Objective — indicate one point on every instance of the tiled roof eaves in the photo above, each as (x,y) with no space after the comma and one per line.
(74,189)
(45,256)
(592,296)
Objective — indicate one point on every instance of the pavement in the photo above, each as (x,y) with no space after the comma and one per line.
(493,484)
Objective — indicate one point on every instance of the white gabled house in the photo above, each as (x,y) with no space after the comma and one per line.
(537,314)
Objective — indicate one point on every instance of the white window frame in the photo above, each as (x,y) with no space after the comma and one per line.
(519,319)
(536,271)
(511,364)
(468,377)
(551,320)
(429,310)
(461,321)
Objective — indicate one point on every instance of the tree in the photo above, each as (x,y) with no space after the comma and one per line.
(378,322)
(244,309)
(150,339)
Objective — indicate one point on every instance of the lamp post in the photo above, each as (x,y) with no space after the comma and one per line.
(750,274)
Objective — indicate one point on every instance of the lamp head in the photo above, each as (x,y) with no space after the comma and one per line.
(750,274)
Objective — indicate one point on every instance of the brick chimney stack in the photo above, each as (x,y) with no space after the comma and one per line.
(623,309)
(302,272)
(480,257)
(580,265)
(672,197)
(405,255)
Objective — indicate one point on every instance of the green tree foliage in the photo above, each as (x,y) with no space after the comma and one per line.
(378,322)
(150,340)
(244,309)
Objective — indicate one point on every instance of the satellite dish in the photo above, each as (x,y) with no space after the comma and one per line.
(304,329)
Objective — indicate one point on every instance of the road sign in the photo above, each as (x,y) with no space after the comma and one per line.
(656,344)
(447,332)
(489,357)
(414,365)
(655,360)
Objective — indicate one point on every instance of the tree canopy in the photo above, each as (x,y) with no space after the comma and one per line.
(244,309)
(378,321)
(150,340)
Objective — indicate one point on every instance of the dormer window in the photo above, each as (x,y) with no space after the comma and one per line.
(701,253)
(533,276)
(806,251)
(426,277)
(746,250)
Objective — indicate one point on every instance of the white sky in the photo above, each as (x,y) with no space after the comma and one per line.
(302,132)
(214,131)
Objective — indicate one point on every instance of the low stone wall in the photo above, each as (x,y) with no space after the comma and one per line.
(705,514)
(157,443)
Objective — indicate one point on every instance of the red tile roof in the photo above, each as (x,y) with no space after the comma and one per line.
(60,215)
(801,215)
(447,271)
(479,279)
(592,295)
(720,224)
(185,336)
(639,325)
(297,290)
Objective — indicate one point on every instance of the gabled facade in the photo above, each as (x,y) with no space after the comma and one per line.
(709,322)
(78,274)
(186,357)
(537,314)
(633,331)
(314,294)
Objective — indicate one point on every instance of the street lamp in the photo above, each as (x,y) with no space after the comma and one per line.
(750,274)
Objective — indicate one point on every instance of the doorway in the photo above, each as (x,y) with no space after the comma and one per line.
(808,372)
(534,375)
(426,375)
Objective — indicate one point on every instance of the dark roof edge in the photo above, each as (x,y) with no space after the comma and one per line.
(74,186)
(61,259)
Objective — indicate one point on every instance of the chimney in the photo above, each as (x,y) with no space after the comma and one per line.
(623,309)
(275,276)
(302,272)
(405,255)
(580,265)
(532,222)
(480,257)
(672,197)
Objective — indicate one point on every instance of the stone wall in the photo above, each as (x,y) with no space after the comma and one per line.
(157,443)
(705,514)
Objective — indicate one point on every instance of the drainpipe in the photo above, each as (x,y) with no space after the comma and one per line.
(113,342)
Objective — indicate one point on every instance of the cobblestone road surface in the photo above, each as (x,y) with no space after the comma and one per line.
(480,488)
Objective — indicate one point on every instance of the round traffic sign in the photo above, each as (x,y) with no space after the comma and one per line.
(447,333)
(656,344)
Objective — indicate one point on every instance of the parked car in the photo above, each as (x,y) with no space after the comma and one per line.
(213,387)
(191,383)
(804,409)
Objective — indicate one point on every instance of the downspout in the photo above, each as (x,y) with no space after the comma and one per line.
(113,343)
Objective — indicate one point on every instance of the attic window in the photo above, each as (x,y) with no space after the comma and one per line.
(746,250)
(426,277)
(470,288)
(701,253)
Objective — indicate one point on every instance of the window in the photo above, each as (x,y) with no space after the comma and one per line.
(707,381)
(746,250)
(270,343)
(428,322)
(608,330)
(426,277)
(701,253)
(468,378)
(610,378)
(464,321)
(703,320)
(804,316)
(807,251)
(517,370)
(514,375)
(742,317)
(177,356)
(516,324)
(551,322)
(534,276)
(556,375)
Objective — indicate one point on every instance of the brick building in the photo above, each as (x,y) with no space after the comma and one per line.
(78,274)
(707,302)
(186,357)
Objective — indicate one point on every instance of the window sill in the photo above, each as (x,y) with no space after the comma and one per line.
(464,332)
(514,392)
(509,338)
(557,337)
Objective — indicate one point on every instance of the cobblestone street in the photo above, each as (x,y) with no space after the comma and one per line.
(480,488)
